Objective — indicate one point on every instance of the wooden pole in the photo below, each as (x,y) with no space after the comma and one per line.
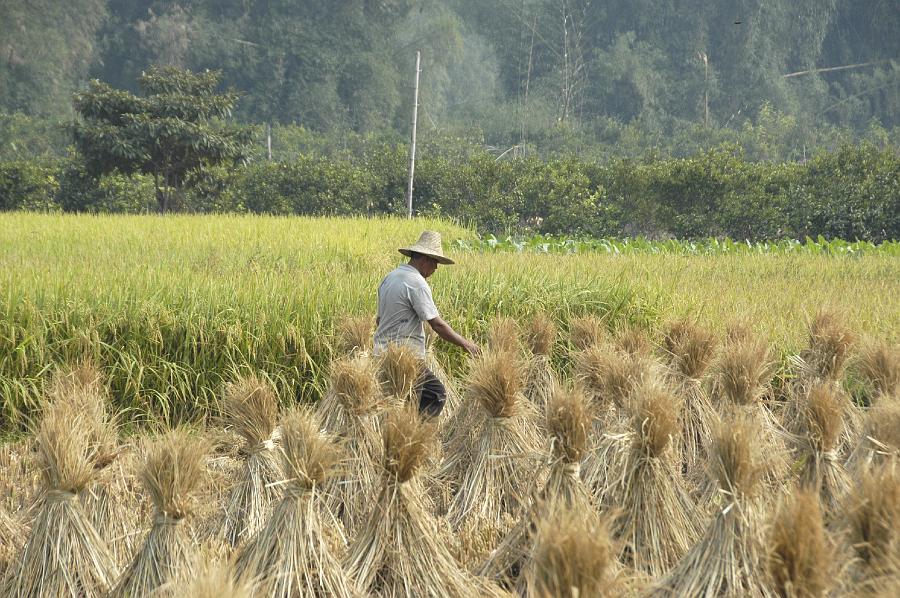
(269,141)
(412,149)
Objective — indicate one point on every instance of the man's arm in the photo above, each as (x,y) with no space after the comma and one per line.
(443,330)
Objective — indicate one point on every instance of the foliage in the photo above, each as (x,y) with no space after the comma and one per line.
(27,185)
(169,132)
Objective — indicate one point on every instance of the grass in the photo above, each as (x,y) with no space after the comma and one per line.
(170,307)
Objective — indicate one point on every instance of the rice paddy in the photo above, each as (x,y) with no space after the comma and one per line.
(190,405)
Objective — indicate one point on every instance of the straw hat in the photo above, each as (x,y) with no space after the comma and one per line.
(429,244)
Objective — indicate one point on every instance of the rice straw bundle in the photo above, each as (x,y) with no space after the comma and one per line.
(504,336)
(540,377)
(293,554)
(354,334)
(12,538)
(801,558)
(174,466)
(586,331)
(740,381)
(250,407)
(497,471)
(64,555)
(633,341)
(728,559)
(658,522)
(816,443)
(871,513)
(209,578)
(879,365)
(573,557)
(568,421)
(829,345)
(880,440)
(402,551)
(354,383)
(399,369)
(689,351)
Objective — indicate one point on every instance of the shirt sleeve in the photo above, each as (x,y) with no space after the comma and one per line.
(423,303)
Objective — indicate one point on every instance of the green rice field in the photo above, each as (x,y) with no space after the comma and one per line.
(169,307)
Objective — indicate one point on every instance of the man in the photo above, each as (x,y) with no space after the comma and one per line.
(405,302)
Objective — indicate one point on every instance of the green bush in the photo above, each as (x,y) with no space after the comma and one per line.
(113,193)
(28,185)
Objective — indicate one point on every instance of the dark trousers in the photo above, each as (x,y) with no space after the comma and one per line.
(432,394)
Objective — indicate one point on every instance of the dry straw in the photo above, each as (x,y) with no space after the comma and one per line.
(354,383)
(800,556)
(402,550)
(879,365)
(299,551)
(633,341)
(870,516)
(880,440)
(573,557)
(64,555)
(208,577)
(568,422)
(504,336)
(816,442)
(586,331)
(174,467)
(497,471)
(658,521)
(399,368)
(354,334)
(828,348)
(250,408)
(689,350)
(540,378)
(728,559)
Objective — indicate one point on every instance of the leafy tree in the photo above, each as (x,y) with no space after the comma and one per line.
(173,130)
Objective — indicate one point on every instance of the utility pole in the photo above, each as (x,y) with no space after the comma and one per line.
(705,59)
(269,141)
(412,149)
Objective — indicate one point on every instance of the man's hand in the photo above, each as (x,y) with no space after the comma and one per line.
(443,330)
(472,349)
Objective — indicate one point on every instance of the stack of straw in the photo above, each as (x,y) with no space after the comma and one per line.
(658,521)
(402,551)
(879,365)
(586,331)
(174,466)
(880,439)
(64,554)
(251,409)
(728,560)
(540,378)
(293,554)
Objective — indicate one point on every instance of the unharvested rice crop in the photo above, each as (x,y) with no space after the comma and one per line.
(560,470)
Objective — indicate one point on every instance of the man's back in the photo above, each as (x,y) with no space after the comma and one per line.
(404,302)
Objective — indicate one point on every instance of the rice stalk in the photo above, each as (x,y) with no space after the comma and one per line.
(540,378)
(250,408)
(174,466)
(633,341)
(12,540)
(879,365)
(829,343)
(497,471)
(299,551)
(689,348)
(208,577)
(504,336)
(402,550)
(354,334)
(541,334)
(609,376)
(880,440)
(728,559)
(800,558)
(586,331)
(573,557)
(399,368)
(658,521)
(870,514)
(64,555)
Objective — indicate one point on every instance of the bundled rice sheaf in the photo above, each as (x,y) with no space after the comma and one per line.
(173,469)
(209,577)
(800,558)
(880,439)
(828,348)
(250,407)
(689,350)
(497,471)
(573,557)
(540,378)
(586,331)
(879,365)
(816,445)
(568,422)
(729,558)
(355,384)
(299,551)
(633,341)
(12,538)
(399,369)
(658,521)
(354,334)
(504,336)
(870,515)
(64,555)
(402,550)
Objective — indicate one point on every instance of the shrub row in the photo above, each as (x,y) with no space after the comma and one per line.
(851,193)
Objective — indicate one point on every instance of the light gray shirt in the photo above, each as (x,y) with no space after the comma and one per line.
(404,302)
